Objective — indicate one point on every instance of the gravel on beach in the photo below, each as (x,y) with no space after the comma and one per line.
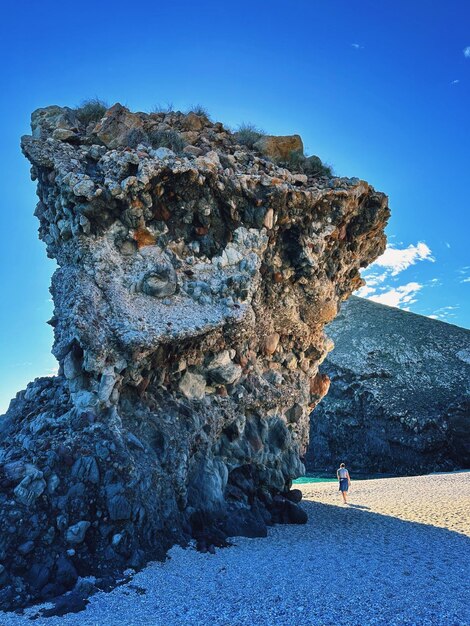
(398,554)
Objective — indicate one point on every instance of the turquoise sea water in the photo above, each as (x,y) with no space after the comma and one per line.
(313,479)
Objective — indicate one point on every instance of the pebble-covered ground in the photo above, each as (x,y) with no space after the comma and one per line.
(399,554)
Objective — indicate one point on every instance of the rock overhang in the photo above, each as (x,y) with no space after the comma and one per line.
(190,299)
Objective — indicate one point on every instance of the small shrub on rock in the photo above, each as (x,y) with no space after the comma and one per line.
(163,108)
(136,136)
(198,109)
(91,110)
(247,135)
(167,139)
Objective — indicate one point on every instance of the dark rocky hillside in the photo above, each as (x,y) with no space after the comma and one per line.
(399,399)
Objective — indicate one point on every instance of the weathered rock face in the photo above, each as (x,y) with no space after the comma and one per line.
(399,400)
(190,300)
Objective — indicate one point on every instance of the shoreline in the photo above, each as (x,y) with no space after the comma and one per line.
(365,476)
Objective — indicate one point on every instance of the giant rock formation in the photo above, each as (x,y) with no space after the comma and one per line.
(189,303)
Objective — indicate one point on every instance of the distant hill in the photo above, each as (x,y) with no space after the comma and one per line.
(399,400)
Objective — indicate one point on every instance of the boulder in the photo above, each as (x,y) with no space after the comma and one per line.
(76,534)
(270,343)
(247,522)
(194,122)
(294,495)
(30,488)
(54,121)
(319,385)
(222,370)
(194,150)
(192,385)
(225,374)
(160,282)
(114,128)
(280,148)
(119,507)
(64,134)
(86,469)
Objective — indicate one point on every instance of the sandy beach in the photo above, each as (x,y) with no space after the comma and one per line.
(439,500)
(398,554)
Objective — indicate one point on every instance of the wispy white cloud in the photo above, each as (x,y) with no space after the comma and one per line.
(464,274)
(357,46)
(365,291)
(455,82)
(387,267)
(395,260)
(466,52)
(373,281)
(398,296)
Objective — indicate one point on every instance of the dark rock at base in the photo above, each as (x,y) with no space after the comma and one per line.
(458,419)
(296,514)
(38,576)
(52,590)
(66,572)
(245,522)
(137,559)
(208,530)
(6,596)
(287,512)
(294,495)
(119,508)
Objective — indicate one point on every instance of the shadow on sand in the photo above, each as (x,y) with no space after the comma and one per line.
(403,572)
(359,517)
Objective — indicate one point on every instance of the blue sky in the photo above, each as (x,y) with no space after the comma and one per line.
(378,89)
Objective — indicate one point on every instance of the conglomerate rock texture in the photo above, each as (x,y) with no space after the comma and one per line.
(399,400)
(190,300)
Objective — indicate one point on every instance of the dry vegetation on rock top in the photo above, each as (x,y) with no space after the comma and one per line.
(195,277)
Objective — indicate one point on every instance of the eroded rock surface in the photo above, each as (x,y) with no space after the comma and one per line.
(399,400)
(190,300)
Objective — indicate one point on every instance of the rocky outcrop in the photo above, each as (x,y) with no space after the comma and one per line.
(399,400)
(194,280)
